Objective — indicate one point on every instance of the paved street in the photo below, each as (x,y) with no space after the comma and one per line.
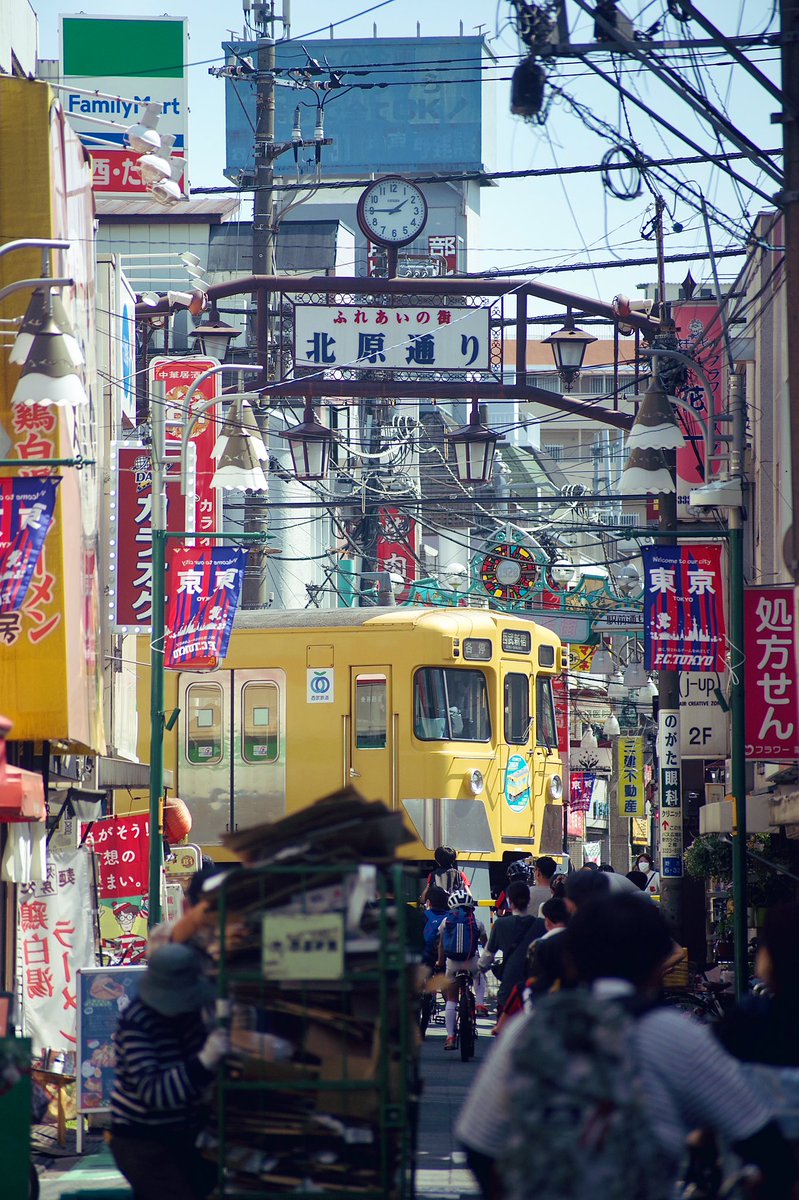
(441,1172)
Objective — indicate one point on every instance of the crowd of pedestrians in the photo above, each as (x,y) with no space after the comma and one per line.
(596,1086)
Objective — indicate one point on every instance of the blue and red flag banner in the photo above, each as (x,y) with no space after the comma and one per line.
(26,514)
(582,790)
(203,590)
(683,609)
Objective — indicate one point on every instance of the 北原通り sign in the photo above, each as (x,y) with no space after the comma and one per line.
(367,337)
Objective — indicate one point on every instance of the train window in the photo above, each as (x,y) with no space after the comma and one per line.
(204,723)
(546,730)
(546,656)
(371,696)
(260,733)
(517,709)
(451,705)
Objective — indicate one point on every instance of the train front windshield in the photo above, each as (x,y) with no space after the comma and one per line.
(450,705)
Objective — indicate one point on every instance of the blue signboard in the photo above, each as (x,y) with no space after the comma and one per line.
(103,994)
(416,105)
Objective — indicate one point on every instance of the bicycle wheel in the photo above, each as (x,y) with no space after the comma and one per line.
(689,1002)
(426,1009)
(466,1024)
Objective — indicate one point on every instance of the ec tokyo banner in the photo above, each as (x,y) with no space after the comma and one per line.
(204,585)
(683,609)
(26,514)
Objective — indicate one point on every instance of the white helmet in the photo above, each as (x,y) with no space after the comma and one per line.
(460,898)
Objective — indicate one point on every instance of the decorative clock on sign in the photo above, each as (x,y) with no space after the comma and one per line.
(509,572)
(392,211)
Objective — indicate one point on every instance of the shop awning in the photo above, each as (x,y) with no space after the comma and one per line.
(21,796)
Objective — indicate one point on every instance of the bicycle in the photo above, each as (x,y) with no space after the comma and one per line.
(707,1001)
(465,1015)
(431,1011)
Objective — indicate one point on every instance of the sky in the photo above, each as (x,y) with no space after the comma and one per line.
(540,223)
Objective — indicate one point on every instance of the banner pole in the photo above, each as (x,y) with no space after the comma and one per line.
(158,424)
(738,756)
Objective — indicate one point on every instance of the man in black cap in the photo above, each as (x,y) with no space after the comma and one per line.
(165,1063)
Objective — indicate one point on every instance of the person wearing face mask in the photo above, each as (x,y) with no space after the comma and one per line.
(645,864)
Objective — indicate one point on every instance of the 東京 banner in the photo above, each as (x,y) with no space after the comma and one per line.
(26,514)
(684,626)
(772,692)
(203,587)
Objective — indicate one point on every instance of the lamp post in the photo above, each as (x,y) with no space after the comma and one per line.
(569,345)
(158,626)
(475,446)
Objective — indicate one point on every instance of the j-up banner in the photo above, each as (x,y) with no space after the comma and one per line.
(683,608)
(772,693)
(26,514)
(203,587)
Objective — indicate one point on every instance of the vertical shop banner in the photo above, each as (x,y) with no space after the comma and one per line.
(671,838)
(122,849)
(770,674)
(26,514)
(684,627)
(130,592)
(56,939)
(396,547)
(700,334)
(581,791)
(631,776)
(203,590)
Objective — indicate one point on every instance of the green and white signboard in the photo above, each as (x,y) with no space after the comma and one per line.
(130,62)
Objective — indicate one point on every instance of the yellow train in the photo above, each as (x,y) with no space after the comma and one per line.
(446,714)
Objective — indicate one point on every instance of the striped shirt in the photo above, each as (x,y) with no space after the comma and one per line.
(690,1083)
(160,1085)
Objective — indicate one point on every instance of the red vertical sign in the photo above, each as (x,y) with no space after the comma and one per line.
(770,675)
(700,334)
(177,376)
(396,547)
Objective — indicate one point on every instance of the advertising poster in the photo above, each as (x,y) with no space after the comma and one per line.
(203,590)
(396,547)
(122,849)
(56,940)
(684,628)
(770,675)
(103,994)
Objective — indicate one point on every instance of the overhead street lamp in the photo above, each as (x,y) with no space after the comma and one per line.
(569,345)
(475,446)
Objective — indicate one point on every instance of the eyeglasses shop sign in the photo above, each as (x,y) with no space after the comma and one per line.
(704,724)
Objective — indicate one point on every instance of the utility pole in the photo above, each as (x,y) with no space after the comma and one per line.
(254,590)
(789,198)
(670,820)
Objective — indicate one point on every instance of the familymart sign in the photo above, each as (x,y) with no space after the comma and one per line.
(131,62)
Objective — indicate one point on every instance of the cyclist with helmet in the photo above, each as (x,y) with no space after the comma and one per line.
(459,944)
(519,871)
(446,874)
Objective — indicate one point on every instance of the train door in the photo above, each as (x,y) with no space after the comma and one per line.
(372,747)
(515,748)
(203,758)
(259,747)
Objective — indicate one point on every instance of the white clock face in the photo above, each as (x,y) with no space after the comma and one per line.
(393,211)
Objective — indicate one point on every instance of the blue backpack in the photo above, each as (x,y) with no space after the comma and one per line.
(460,934)
(432,929)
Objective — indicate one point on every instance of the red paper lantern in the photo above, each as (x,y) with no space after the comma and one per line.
(177,820)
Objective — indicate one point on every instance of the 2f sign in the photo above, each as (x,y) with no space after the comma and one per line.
(320,686)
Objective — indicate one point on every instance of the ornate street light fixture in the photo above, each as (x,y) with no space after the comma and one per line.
(240,451)
(655,426)
(310,443)
(214,336)
(475,446)
(569,345)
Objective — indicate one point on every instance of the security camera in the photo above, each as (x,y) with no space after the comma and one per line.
(719,493)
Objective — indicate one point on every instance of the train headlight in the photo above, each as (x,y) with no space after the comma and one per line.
(475,781)
(555,787)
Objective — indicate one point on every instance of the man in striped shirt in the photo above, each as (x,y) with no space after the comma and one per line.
(618,945)
(165,1064)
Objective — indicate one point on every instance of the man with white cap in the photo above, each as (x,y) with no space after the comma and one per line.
(165,1064)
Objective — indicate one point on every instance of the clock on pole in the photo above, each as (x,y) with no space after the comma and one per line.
(392,211)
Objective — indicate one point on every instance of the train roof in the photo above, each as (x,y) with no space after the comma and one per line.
(447,620)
